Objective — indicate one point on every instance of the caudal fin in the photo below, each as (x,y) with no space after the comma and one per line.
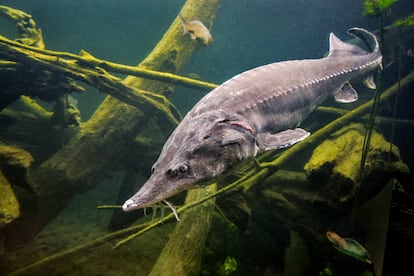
(340,48)
(369,39)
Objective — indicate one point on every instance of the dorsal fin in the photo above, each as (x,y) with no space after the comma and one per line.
(340,48)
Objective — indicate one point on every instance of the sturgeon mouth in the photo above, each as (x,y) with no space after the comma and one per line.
(129,205)
(152,192)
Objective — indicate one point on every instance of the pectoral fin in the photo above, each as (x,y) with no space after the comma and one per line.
(286,138)
(346,94)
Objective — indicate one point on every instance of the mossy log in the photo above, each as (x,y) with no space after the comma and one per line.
(333,186)
(333,191)
(183,252)
(9,206)
(46,85)
(335,166)
(379,120)
(105,139)
(296,259)
(14,163)
(28,125)
(53,70)
(25,25)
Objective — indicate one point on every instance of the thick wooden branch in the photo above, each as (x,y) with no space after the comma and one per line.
(379,119)
(13,166)
(25,25)
(86,60)
(96,77)
(14,80)
(105,140)
(183,252)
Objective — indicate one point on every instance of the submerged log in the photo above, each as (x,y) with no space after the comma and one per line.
(25,25)
(9,206)
(28,125)
(183,252)
(45,84)
(335,167)
(14,163)
(105,138)
(334,197)
(53,70)
(333,186)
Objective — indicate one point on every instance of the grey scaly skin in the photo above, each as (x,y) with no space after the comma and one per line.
(255,111)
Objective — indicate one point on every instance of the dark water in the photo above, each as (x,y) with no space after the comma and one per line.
(246,34)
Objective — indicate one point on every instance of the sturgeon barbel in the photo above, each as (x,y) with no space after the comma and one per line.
(255,111)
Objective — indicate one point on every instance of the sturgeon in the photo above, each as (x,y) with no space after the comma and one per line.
(255,111)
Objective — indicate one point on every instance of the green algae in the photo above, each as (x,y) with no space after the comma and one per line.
(9,206)
(376,7)
(15,161)
(343,149)
(406,21)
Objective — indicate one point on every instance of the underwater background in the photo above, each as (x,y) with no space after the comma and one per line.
(246,34)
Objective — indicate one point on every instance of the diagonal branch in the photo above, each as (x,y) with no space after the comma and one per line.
(85,59)
(96,77)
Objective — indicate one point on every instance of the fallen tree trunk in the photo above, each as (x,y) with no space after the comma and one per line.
(182,254)
(48,86)
(13,165)
(104,139)
(335,167)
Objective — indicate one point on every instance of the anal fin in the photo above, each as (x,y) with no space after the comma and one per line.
(283,139)
(369,82)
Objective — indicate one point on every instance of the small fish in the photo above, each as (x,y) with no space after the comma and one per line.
(349,247)
(196,29)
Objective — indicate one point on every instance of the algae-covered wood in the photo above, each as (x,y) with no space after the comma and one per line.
(183,252)
(106,137)
(13,166)
(335,164)
(109,141)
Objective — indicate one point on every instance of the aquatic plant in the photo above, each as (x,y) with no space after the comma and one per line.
(327,270)
(228,267)
(376,8)
(406,21)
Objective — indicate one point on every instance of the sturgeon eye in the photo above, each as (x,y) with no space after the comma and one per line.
(152,169)
(183,168)
(180,170)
